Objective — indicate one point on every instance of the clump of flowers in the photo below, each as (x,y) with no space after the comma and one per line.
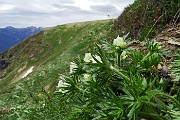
(117,87)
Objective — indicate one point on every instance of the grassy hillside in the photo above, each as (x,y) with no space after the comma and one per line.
(50,52)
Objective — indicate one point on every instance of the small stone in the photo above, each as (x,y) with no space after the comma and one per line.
(159,66)
(177,34)
(165,68)
(173,42)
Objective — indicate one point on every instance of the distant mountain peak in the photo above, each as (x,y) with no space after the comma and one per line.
(10,36)
(9,27)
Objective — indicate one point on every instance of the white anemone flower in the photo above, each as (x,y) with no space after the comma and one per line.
(119,42)
(87,57)
(61,86)
(72,67)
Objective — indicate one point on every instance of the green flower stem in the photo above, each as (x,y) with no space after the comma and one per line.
(119,59)
(170,97)
(119,73)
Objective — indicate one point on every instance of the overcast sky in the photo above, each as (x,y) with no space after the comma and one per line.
(46,13)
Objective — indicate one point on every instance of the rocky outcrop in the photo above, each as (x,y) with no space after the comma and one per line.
(170,38)
(3,64)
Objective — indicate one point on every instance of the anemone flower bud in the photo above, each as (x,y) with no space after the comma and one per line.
(123,55)
(87,77)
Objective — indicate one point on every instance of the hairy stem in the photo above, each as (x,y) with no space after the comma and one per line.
(119,73)
(118,59)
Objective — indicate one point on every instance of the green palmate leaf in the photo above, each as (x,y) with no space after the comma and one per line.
(153,116)
(154,92)
(126,98)
(175,114)
(160,104)
(136,56)
(132,113)
(152,47)
(144,83)
(150,60)
(177,103)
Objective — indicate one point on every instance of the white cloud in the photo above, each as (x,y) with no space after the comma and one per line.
(5,7)
(83,4)
(86,4)
(22,13)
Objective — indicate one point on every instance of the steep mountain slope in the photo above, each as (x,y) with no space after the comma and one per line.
(50,52)
(10,36)
(148,15)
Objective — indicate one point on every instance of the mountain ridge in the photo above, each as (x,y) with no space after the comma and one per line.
(10,36)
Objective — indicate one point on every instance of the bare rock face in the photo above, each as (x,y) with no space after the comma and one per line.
(170,38)
(3,64)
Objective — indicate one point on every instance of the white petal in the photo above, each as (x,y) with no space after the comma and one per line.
(87,57)
(98,58)
(72,66)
